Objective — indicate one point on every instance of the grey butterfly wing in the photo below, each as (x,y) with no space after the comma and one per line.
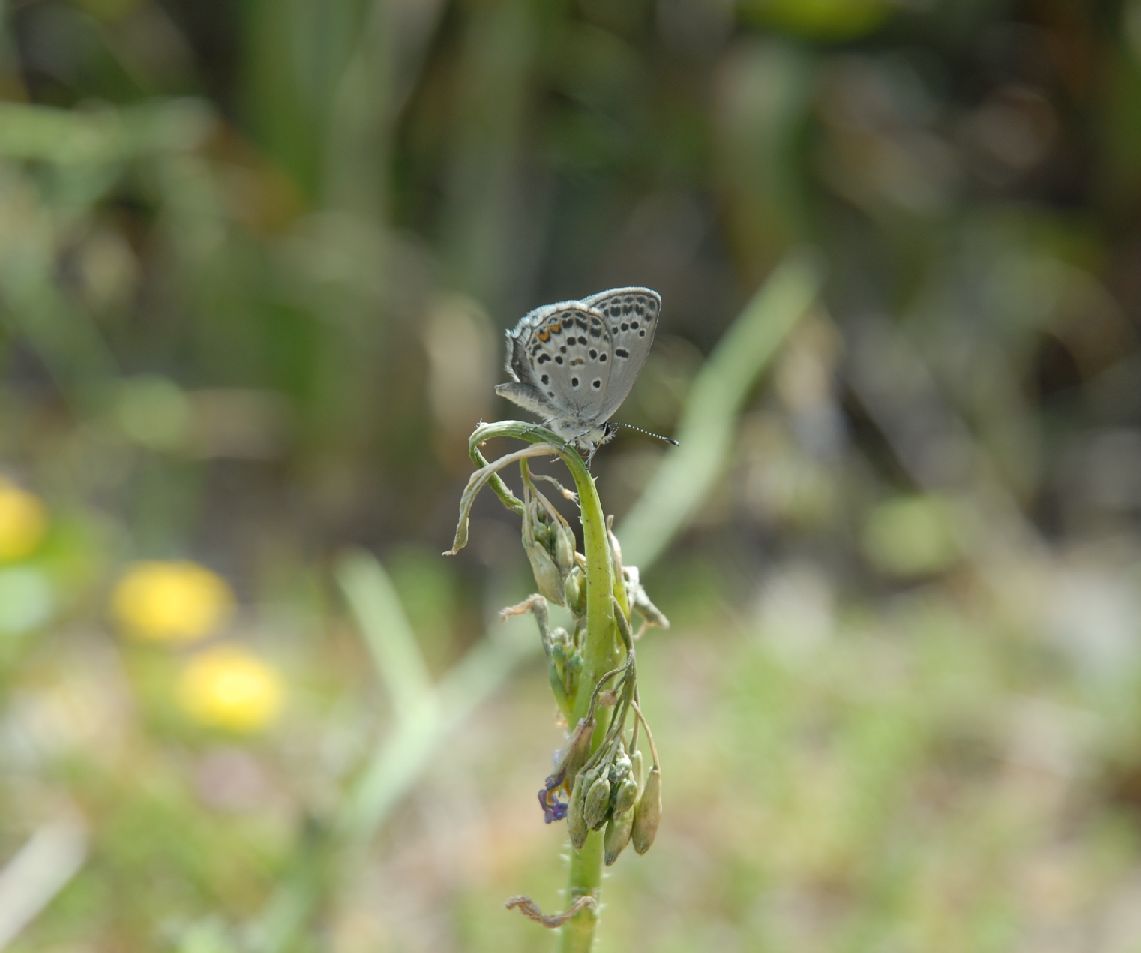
(632,318)
(527,397)
(523,388)
(560,357)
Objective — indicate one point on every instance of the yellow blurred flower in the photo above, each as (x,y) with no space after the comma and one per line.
(23,522)
(171,601)
(228,687)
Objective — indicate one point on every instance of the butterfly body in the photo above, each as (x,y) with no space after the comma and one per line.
(574,362)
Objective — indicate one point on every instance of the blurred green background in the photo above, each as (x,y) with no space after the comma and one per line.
(256,259)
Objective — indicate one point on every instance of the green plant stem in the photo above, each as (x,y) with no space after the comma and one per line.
(599,654)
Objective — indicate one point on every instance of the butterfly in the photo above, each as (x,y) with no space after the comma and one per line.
(573,363)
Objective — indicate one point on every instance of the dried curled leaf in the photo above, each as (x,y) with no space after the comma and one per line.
(479,479)
(552,921)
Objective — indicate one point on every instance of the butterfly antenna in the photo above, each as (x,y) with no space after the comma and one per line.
(648,433)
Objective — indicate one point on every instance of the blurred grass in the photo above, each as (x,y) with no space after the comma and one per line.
(713,406)
(254,267)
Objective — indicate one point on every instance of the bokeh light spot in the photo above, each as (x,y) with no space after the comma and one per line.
(171,601)
(231,688)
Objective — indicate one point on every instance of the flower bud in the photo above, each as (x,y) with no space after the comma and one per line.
(563,546)
(625,795)
(617,835)
(548,579)
(615,546)
(562,668)
(541,530)
(577,748)
(621,766)
(571,671)
(574,588)
(576,822)
(540,541)
(596,806)
(648,812)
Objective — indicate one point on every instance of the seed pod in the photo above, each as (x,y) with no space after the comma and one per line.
(636,767)
(648,812)
(576,823)
(617,835)
(596,807)
(625,795)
